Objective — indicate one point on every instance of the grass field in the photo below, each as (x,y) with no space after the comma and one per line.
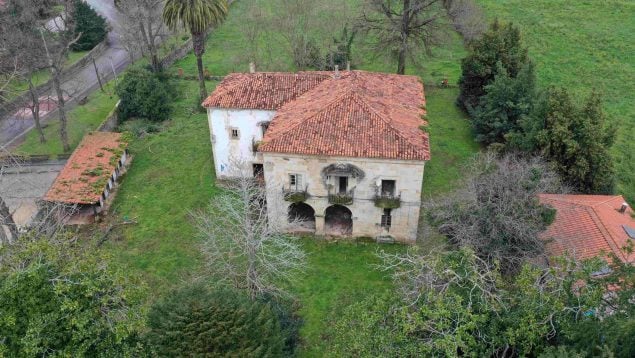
(583,45)
(81,120)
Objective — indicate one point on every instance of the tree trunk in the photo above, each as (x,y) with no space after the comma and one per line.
(61,109)
(198,43)
(403,48)
(154,59)
(35,110)
(7,219)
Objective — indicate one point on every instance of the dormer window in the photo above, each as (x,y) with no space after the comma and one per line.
(234,133)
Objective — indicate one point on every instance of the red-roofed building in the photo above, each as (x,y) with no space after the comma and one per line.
(344,150)
(90,173)
(589,226)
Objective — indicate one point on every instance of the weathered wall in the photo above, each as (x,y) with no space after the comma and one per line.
(225,148)
(366,216)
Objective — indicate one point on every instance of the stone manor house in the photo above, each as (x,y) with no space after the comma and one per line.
(342,151)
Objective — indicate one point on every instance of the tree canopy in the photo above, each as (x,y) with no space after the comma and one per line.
(89,25)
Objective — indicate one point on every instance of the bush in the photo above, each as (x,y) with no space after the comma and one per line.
(140,127)
(143,94)
(90,24)
(195,321)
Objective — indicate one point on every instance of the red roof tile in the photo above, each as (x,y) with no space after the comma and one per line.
(262,90)
(588,226)
(85,175)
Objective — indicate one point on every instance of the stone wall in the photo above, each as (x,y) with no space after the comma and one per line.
(366,215)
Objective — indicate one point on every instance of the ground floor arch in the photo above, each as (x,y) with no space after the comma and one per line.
(338,220)
(301,216)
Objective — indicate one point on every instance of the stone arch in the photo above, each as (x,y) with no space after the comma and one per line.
(301,216)
(338,220)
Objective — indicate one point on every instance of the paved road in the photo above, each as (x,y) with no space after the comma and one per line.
(114,60)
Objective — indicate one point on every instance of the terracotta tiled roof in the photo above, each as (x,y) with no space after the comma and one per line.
(262,90)
(359,114)
(588,226)
(85,175)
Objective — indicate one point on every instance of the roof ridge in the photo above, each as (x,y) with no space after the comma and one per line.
(388,123)
(605,232)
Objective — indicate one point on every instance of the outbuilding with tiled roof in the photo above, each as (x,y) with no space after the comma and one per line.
(91,172)
(589,226)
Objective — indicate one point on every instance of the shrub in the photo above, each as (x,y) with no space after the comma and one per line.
(90,25)
(140,127)
(143,95)
(195,321)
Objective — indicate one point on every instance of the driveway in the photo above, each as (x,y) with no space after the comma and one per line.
(114,60)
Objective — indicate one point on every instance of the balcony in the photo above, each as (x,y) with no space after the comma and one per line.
(342,198)
(295,194)
(387,201)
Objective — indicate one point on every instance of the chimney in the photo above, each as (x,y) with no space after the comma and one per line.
(252,67)
(337,72)
(623,208)
(348,65)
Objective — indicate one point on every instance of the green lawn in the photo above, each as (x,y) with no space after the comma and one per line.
(81,120)
(583,45)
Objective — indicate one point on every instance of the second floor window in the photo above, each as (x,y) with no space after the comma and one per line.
(295,181)
(235,133)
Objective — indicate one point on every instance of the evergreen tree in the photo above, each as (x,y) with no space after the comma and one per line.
(196,321)
(90,25)
(507,101)
(577,140)
(500,44)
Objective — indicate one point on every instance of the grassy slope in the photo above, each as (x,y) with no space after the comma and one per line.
(81,120)
(581,45)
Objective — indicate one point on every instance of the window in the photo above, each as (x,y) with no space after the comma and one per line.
(386,218)
(235,133)
(295,181)
(388,187)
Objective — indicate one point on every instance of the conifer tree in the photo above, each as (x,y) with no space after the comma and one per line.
(90,25)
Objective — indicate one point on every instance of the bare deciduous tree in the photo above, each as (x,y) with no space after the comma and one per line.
(497,212)
(142,27)
(406,27)
(240,245)
(62,37)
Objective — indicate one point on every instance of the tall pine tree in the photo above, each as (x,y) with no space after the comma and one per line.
(90,25)
(501,44)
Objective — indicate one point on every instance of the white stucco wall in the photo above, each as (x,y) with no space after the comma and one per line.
(226,149)
(366,216)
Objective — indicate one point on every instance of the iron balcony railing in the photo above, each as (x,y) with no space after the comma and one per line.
(295,193)
(387,201)
(342,198)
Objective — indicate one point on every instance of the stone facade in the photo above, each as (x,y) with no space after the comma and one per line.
(366,215)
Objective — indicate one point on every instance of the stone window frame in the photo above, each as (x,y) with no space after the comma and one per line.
(295,180)
(231,133)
